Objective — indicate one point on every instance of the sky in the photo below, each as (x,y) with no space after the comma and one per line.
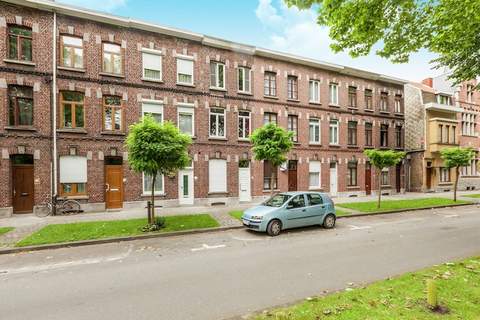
(264,23)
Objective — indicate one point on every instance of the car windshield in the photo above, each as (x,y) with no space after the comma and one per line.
(277,200)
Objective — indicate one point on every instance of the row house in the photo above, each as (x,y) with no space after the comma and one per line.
(72,81)
(439,115)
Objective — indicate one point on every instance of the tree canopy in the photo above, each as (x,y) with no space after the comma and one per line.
(271,143)
(448,28)
(455,158)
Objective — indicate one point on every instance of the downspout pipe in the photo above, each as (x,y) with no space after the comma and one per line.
(54,107)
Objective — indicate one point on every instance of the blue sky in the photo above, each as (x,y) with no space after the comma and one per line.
(264,23)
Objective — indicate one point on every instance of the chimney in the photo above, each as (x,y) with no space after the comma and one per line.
(428,82)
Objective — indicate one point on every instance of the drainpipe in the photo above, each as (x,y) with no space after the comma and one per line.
(54,105)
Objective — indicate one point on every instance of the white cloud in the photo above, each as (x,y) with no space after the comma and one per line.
(105,5)
(296,31)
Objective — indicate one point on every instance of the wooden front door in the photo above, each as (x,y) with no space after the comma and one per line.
(23,192)
(114,186)
(429,178)
(292,175)
(368,178)
(398,178)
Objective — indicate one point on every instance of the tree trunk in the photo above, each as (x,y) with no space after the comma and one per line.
(152,212)
(457,173)
(379,188)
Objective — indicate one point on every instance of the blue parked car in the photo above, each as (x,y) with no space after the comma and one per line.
(291,210)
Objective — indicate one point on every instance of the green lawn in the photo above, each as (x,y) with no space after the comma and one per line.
(57,233)
(472,195)
(4,230)
(388,205)
(237,214)
(404,297)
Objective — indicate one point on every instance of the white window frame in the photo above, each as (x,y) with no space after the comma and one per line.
(387,171)
(333,99)
(312,92)
(318,124)
(445,173)
(192,60)
(249,124)
(152,52)
(447,98)
(153,106)
(186,108)
(217,122)
(245,71)
(157,192)
(217,66)
(319,164)
(334,126)
(398,105)
(469,93)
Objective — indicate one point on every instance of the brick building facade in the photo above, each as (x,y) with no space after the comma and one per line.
(111,70)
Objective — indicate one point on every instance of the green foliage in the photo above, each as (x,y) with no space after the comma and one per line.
(271,143)
(384,158)
(159,222)
(457,157)
(398,28)
(4,230)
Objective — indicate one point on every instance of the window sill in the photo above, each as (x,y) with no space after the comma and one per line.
(352,146)
(218,89)
(24,63)
(191,85)
(318,103)
(399,114)
(334,146)
(73,130)
(369,110)
(368,147)
(334,105)
(353,108)
(293,100)
(75,197)
(218,138)
(315,144)
(243,140)
(445,183)
(353,187)
(71,69)
(245,93)
(384,112)
(268,190)
(114,75)
(161,194)
(20,128)
(386,186)
(218,193)
(113,133)
(271,97)
(152,80)
(469,135)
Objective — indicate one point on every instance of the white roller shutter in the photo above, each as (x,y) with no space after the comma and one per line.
(185,66)
(73,169)
(217,175)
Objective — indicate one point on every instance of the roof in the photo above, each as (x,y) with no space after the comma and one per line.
(422,87)
(69,10)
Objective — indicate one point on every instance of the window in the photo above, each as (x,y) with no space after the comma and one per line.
(147,184)
(292,88)
(444,175)
(154,109)
(73,175)
(314,174)
(217,123)
(469,93)
(243,124)
(297,202)
(352,173)
(384,135)
(444,134)
(19,43)
(398,103)
(352,97)
(112,58)
(469,124)
(269,117)
(244,80)
(112,113)
(270,84)
(20,108)
(384,101)
(217,75)
(269,182)
(152,65)
(186,121)
(314,131)
(368,134)
(217,175)
(398,137)
(470,170)
(352,133)
(444,99)
(333,132)
(385,177)
(314,91)
(185,71)
(293,126)
(333,87)
(72,109)
(314,199)
(71,52)
(368,99)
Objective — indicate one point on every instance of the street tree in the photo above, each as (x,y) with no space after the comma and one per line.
(271,143)
(156,149)
(382,159)
(395,29)
(457,157)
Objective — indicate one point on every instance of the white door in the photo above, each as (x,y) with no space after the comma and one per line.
(244,184)
(333,179)
(185,186)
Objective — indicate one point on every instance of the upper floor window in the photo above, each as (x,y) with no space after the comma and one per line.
(352,97)
(217,122)
(72,110)
(333,87)
(269,117)
(368,134)
(314,91)
(112,113)
(293,126)
(186,119)
(368,99)
(384,101)
(469,124)
(217,75)
(20,108)
(112,58)
(384,135)
(152,65)
(333,132)
(470,93)
(398,137)
(314,131)
(243,124)
(185,71)
(398,103)
(244,79)
(153,109)
(352,133)
(71,52)
(270,84)
(444,99)
(19,43)
(292,88)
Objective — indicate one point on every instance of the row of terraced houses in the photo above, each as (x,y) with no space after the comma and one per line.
(73,80)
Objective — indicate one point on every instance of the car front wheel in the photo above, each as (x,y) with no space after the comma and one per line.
(274,228)
(329,221)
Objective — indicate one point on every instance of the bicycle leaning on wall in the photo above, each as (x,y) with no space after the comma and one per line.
(59,207)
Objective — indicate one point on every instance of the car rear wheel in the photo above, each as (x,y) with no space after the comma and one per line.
(329,221)
(274,228)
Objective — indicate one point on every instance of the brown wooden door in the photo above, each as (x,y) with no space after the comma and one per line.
(368,178)
(114,186)
(23,191)
(398,178)
(429,178)
(292,175)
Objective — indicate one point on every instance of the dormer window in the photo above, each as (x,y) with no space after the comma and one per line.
(444,99)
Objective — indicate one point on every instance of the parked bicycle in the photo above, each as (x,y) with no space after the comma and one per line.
(59,207)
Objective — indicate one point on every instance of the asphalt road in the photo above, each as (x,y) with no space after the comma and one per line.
(228,274)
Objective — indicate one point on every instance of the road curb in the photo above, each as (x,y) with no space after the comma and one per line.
(113,240)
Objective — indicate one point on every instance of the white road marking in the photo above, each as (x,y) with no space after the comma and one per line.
(352,227)
(207,247)
(246,239)
(451,216)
